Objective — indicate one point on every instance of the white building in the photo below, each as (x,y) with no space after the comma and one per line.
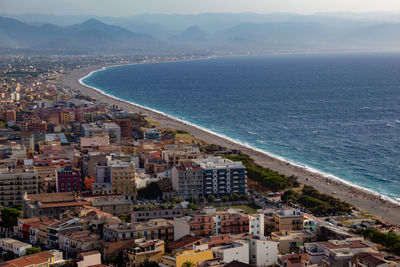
(262,252)
(17,247)
(236,251)
(256,224)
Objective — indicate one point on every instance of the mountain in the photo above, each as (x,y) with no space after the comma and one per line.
(192,34)
(91,35)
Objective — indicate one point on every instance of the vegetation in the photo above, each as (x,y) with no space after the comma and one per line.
(316,202)
(125,218)
(9,217)
(148,263)
(151,191)
(188,264)
(266,177)
(390,240)
(32,250)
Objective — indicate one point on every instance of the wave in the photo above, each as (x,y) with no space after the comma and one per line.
(236,141)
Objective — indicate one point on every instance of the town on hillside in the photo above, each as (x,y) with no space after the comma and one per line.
(84,183)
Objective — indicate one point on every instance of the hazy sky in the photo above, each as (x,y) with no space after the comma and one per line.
(131,7)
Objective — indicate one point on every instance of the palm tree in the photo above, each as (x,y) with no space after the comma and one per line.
(188,264)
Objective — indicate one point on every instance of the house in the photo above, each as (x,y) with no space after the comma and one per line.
(15,246)
(89,258)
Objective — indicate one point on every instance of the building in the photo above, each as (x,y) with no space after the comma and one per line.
(152,134)
(366,259)
(14,183)
(179,258)
(287,220)
(294,260)
(187,180)
(50,205)
(256,224)
(144,250)
(126,127)
(89,258)
(262,252)
(68,180)
(236,251)
(292,241)
(337,253)
(63,226)
(120,175)
(15,246)
(41,259)
(148,214)
(175,154)
(222,176)
(153,229)
(114,204)
(210,223)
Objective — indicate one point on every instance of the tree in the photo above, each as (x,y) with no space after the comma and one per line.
(211,198)
(289,195)
(193,206)
(152,191)
(125,218)
(32,250)
(188,264)
(9,217)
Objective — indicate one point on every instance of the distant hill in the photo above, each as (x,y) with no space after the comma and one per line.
(192,34)
(89,35)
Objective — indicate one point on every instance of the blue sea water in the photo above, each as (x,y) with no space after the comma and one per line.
(337,113)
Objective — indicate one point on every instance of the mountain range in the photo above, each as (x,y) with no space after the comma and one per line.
(246,31)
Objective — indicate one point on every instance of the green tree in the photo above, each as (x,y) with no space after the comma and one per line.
(9,217)
(152,191)
(125,218)
(193,206)
(32,250)
(288,196)
(188,264)
(211,198)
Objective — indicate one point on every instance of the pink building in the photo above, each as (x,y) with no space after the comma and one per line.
(68,180)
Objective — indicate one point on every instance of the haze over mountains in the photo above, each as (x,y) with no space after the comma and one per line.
(244,31)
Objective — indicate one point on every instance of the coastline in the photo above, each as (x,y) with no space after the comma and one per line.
(359,197)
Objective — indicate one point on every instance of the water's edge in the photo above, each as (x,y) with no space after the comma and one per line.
(238,142)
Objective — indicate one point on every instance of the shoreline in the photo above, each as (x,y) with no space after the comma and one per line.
(365,199)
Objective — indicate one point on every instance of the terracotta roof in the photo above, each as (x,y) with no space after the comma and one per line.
(88,253)
(345,244)
(64,204)
(184,241)
(372,260)
(38,258)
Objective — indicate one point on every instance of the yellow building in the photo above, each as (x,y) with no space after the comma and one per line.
(123,178)
(151,250)
(188,255)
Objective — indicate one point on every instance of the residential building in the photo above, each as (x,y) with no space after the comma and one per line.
(222,176)
(144,250)
(153,229)
(120,175)
(89,258)
(262,252)
(367,259)
(287,220)
(15,246)
(14,183)
(148,214)
(175,154)
(256,224)
(179,258)
(63,226)
(68,180)
(41,259)
(335,253)
(292,241)
(187,180)
(211,222)
(237,250)
(294,260)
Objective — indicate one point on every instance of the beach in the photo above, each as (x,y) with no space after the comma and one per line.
(358,197)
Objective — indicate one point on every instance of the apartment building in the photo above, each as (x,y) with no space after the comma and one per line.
(148,214)
(144,250)
(287,220)
(14,183)
(68,180)
(187,180)
(15,246)
(256,224)
(175,154)
(222,176)
(235,251)
(120,175)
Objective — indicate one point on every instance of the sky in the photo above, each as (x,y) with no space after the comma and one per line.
(132,7)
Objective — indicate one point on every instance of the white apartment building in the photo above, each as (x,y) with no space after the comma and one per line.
(236,251)
(256,224)
(17,247)
(262,252)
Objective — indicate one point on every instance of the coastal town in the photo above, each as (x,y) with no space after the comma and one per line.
(87,180)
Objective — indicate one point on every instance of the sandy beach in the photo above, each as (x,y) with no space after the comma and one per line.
(362,199)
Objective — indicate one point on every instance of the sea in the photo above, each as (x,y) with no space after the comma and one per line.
(338,114)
